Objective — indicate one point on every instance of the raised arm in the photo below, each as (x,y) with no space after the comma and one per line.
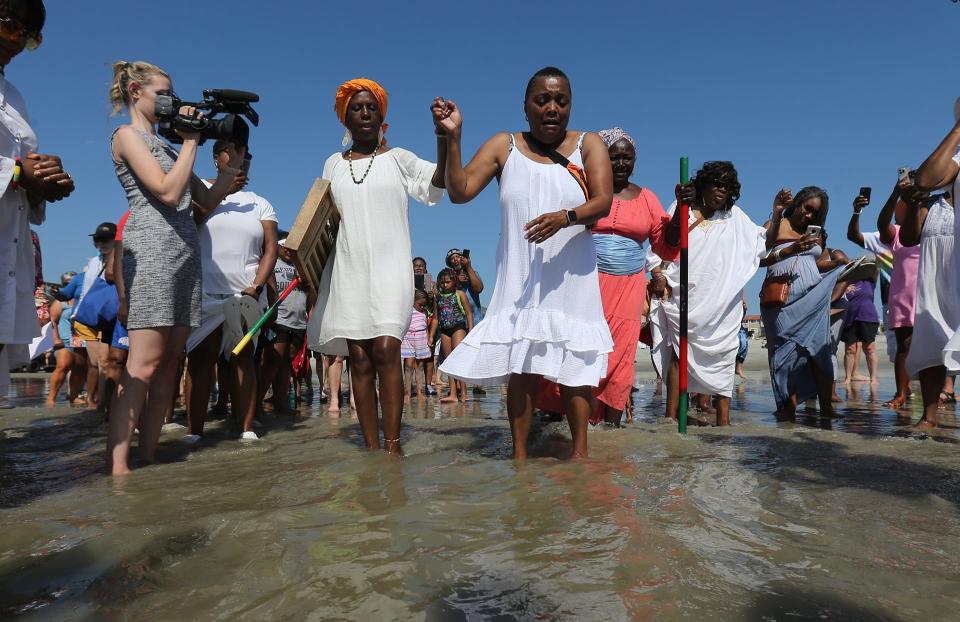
(885,217)
(853,227)
(780,202)
(913,221)
(465,183)
(476,283)
(170,187)
(940,169)
(205,200)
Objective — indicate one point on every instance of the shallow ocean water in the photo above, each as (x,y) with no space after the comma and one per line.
(760,521)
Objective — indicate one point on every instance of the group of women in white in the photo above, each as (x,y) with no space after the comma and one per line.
(552,309)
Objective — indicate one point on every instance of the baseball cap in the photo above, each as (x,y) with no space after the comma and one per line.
(105,231)
(451,253)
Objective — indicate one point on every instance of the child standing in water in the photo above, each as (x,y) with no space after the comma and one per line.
(454,318)
(415,348)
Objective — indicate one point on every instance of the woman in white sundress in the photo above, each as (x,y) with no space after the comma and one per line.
(545,319)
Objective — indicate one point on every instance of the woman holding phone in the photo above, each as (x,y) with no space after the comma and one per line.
(161,255)
(798,332)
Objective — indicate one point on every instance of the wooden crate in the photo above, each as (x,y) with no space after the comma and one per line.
(314,234)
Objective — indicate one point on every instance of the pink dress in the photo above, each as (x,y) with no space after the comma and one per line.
(624,296)
(903,283)
(415,342)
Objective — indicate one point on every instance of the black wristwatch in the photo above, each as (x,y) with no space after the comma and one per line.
(258,289)
(571,217)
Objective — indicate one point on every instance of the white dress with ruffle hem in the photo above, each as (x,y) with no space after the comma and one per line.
(546,316)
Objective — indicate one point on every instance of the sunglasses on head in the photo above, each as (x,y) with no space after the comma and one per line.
(12,28)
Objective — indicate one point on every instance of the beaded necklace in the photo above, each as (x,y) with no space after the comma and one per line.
(350,165)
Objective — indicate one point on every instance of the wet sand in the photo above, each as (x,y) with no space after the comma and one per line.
(759,521)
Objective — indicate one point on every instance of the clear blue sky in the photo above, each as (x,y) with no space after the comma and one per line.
(836,93)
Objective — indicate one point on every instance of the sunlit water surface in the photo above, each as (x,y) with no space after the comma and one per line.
(761,521)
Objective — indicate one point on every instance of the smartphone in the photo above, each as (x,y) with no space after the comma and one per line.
(245,167)
(865,193)
(903,173)
(419,281)
(813,230)
(466,252)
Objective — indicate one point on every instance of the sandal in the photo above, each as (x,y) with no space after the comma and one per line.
(947,398)
(897,403)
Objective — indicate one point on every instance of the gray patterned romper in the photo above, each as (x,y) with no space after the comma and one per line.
(161,250)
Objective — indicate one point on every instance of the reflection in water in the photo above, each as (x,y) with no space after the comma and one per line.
(763,520)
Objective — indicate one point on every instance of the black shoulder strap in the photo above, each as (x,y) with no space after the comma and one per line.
(579,175)
(550,152)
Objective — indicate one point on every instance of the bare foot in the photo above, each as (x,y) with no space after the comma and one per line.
(836,399)
(406,398)
(49,404)
(450,399)
(925,424)
(860,379)
(333,411)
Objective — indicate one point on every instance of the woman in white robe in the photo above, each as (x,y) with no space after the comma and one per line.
(724,252)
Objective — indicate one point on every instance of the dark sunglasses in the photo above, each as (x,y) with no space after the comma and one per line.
(13,28)
(720,184)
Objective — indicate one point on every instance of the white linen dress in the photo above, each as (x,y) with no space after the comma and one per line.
(366,288)
(545,316)
(17,268)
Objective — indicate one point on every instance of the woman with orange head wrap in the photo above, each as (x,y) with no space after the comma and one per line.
(366,291)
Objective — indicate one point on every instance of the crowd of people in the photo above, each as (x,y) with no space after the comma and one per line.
(586,258)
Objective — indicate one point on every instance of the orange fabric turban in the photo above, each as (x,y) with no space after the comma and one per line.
(348,89)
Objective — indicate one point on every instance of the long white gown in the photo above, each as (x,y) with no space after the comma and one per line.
(724,254)
(17,267)
(951,352)
(937,313)
(545,316)
(365,290)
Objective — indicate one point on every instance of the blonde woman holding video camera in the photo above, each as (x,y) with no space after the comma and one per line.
(159,286)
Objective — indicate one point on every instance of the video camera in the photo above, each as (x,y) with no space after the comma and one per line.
(231,126)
